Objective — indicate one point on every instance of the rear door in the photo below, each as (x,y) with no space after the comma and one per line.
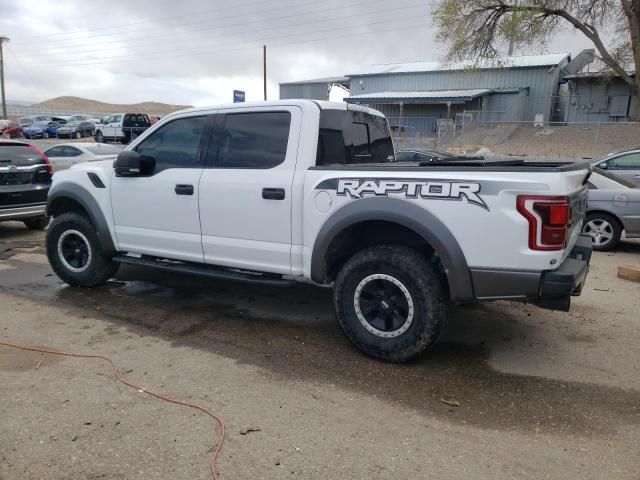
(245,194)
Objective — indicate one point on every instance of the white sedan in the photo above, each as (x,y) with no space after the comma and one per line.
(65,155)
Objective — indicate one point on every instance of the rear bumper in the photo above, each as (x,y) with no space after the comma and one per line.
(19,213)
(548,289)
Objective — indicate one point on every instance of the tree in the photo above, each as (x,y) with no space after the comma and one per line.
(476,28)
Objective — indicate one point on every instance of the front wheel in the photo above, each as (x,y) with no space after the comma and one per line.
(99,137)
(605,231)
(75,253)
(390,302)
(78,135)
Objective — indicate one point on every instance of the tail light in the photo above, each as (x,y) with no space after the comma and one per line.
(44,158)
(548,219)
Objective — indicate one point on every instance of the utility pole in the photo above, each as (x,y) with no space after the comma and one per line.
(4,99)
(264,69)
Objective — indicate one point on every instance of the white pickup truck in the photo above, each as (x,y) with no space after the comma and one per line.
(275,192)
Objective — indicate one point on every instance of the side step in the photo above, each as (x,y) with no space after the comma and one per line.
(191,268)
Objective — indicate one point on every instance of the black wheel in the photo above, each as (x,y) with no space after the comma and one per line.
(604,229)
(390,302)
(99,137)
(45,135)
(78,135)
(36,223)
(75,253)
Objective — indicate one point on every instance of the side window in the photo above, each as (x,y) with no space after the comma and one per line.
(70,152)
(175,145)
(115,119)
(254,140)
(55,152)
(630,161)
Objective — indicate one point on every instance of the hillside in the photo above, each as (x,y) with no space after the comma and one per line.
(77,104)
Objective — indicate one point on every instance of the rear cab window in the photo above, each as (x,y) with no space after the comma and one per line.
(353,137)
(136,120)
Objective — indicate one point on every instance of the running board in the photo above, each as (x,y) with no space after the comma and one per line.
(191,268)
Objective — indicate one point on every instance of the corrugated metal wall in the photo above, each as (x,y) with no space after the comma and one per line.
(593,99)
(311,91)
(541,82)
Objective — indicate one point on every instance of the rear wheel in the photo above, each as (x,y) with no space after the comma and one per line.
(390,302)
(36,223)
(604,229)
(75,253)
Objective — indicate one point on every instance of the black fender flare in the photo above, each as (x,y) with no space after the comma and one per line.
(83,197)
(409,215)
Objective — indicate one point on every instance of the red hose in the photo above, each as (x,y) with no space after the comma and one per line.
(118,377)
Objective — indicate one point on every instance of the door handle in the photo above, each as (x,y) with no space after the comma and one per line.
(184,189)
(273,193)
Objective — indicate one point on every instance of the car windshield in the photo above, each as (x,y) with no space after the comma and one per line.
(615,178)
(104,150)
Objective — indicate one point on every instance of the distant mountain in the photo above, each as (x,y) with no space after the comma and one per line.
(77,104)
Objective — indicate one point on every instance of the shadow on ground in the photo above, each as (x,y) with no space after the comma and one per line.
(292,334)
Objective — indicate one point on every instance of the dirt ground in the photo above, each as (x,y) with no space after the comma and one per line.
(543,395)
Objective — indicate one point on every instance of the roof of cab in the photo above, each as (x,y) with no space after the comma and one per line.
(303,103)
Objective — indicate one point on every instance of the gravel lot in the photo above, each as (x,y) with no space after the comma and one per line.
(542,394)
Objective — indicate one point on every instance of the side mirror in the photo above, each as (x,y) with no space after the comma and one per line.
(603,166)
(130,163)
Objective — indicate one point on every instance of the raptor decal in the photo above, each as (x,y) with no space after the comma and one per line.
(412,188)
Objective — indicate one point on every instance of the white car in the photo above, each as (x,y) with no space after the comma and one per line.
(65,155)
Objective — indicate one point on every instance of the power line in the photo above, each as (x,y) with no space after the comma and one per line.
(81,47)
(299,42)
(171,17)
(250,30)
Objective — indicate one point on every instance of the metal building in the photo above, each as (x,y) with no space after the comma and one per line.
(518,88)
(317,89)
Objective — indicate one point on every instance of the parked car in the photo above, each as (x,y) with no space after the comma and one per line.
(10,129)
(122,127)
(613,207)
(77,129)
(25,177)
(624,163)
(397,243)
(26,121)
(40,130)
(65,155)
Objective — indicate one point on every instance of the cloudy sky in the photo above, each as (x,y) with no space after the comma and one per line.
(198,51)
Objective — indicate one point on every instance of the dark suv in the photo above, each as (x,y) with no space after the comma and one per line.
(25,177)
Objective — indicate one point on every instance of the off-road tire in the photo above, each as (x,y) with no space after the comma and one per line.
(100,266)
(36,223)
(422,282)
(616,230)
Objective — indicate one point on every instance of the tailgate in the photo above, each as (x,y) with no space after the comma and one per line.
(578,204)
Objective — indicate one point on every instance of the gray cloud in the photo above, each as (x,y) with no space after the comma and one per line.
(197,52)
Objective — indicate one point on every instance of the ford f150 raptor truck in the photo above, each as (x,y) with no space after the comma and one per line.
(291,190)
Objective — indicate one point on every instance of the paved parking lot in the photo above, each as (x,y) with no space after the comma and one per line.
(542,394)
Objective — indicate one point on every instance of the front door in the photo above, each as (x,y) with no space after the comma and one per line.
(245,194)
(158,214)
